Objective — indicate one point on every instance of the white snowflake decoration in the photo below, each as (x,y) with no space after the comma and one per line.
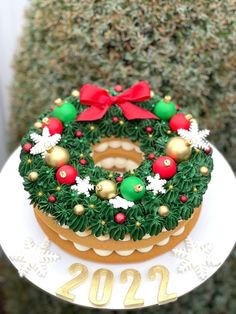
(156,184)
(197,257)
(35,257)
(198,138)
(43,142)
(119,202)
(83,186)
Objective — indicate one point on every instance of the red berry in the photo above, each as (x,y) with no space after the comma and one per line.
(115,119)
(165,166)
(52,199)
(119,179)
(52,108)
(208,150)
(27,147)
(183,198)
(66,174)
(151,156)
(179,121)
(177,107)
(118,88)
(120,218)
(54,125)
(149,129)
(83,162)
(79,134)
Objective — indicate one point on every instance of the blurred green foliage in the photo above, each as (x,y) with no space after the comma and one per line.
(183,48)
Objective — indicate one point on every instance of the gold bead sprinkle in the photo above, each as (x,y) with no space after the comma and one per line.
(29,161)
(150,135)
(78,209)
(163,211)
(91,205)
(168,132)
(58,101)
(204,170)
(138,224)
(194,189)
(40,194)
(197,150)
(81,155)
(75,93)
(33,176)
(121,122)
(170,187)
(58,188)
(167,99)
(91,128)
(103,222)
(38,125)
(110,175)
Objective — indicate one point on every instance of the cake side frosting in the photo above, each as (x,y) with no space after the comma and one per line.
(64,179)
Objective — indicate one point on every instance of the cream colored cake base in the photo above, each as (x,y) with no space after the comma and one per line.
(103,249)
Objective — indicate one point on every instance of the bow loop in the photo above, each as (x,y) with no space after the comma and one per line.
(100,101)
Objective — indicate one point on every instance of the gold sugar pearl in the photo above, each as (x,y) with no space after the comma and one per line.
(103,222)
(137,224)
(40,194)
(150,135)
(58,188)
(75,93)
(91,128)
(110,175)
(121,122)
(29,161)
(78,209)
(168,132)
(195,189)
(81,155)
(38,125)
(163,211)
(170,187)
(204,170)
(91,206)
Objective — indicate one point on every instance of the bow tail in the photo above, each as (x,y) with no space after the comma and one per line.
(92,113)
(131,111)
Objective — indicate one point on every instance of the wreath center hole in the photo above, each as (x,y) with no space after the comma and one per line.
(117,154)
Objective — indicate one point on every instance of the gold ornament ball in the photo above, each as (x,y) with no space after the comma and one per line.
(163,211)
(204,170)
(178,148)
(56,157)
(106,189)
(33,176)
(78,209)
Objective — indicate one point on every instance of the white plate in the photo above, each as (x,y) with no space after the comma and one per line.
(216,225)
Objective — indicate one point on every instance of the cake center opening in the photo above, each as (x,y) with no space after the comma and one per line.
(117,154)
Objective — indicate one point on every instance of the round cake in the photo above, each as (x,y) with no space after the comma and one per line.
(116,175)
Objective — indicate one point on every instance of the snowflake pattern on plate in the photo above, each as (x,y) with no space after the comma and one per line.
(43,142)
(83,186)
(34,257)
(197,138)
(196,256)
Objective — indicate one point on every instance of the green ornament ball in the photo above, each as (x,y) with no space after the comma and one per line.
(66,112)
(165,109)
(132,188)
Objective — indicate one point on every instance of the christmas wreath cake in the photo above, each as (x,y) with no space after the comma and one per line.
(116,175)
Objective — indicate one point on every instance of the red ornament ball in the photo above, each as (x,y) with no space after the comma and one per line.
(183,198)
(79,134)
(151,156)
(54,125)
(83,162)
(66,174)
(120,218)
(119,179)
(118,88)
(115,119)
(208,150)
(149,129)
(52,199)
(179,121)
(27,147)
(165,166)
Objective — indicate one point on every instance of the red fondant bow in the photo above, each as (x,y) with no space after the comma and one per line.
(100,101)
